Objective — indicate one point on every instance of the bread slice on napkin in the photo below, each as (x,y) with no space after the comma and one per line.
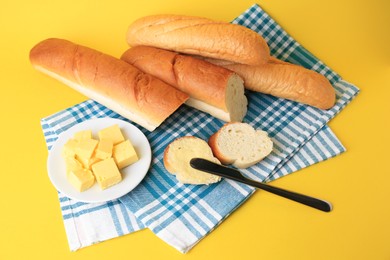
(177,158)
(240,144)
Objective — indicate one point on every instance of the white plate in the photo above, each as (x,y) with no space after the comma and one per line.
(132,175)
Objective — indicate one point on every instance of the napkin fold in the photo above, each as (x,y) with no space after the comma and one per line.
(182,215)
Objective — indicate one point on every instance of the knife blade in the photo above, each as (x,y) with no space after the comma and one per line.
(233,174)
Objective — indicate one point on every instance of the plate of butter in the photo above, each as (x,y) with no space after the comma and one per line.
(99,160)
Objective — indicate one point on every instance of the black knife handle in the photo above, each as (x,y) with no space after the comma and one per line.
(229,173)
(306,200)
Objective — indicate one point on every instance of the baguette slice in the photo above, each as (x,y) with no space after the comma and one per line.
(112,82)
(177,158)
(199,36)
(212,89)
(240,144)
(286,80)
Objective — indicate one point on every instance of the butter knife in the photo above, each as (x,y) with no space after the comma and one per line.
(233,174)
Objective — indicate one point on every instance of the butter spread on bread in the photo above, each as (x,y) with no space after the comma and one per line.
(112,82)
(212,89)
(177,156)
(199,36)
(240,144)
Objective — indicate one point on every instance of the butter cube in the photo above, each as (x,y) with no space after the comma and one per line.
(104,149)
(106,173)
(72,164)
(124,154)
(85,148)
(84,134)
(112,133)
(81,179)
(87,163)
(69,148)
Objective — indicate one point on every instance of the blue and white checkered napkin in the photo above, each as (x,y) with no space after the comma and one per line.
(180,214)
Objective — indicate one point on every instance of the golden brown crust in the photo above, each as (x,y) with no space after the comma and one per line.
(200,36)
(289,81)
(212,142)
(167,165)
(153,61)
(113,79)
(200,79)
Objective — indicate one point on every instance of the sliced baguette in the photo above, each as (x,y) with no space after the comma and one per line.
(240,144)
(177,158)
(285,80)
(212,89)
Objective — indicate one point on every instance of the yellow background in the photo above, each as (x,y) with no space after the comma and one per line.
(352,37)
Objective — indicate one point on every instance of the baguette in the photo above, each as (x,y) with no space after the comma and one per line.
(177,156)
(112,82)
(286,80)
(240,144)
(199,36)
(212,89)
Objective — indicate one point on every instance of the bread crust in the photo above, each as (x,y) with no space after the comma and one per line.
(207,84)
(199,36)
(111,81)
(167,165)
(215,148)
(289,81)
(200,79)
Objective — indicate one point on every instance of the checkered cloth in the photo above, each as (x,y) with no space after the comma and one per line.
(181,215)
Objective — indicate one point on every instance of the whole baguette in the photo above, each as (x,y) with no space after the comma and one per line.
(212,89)
(286,80)
(199,36)
(110,81)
